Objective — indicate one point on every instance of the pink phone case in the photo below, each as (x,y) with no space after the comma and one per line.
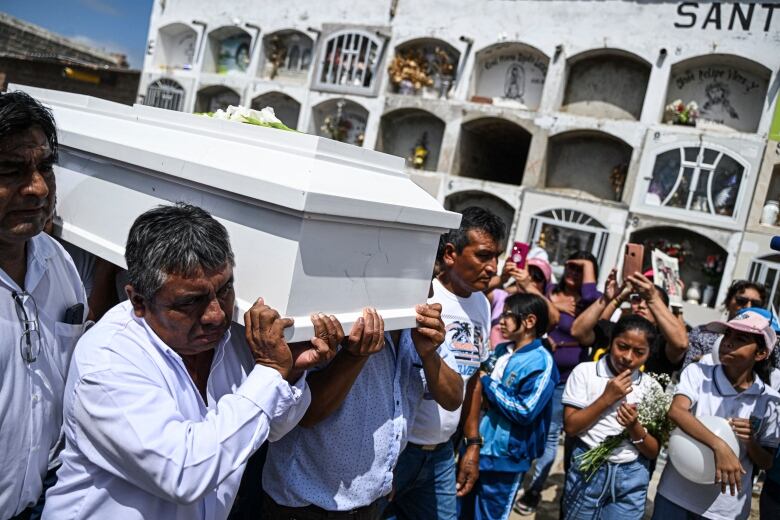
(520,253)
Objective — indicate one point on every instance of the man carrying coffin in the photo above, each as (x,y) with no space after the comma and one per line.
(42,308)
(338,463)
(165,401)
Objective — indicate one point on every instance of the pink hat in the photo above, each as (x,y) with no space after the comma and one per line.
(543,266)
(751,323)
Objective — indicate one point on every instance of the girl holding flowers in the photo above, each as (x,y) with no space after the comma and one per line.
(610,471)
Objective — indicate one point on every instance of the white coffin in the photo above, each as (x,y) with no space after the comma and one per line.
(315,225)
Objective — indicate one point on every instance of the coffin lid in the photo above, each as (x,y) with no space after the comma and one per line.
(306,174)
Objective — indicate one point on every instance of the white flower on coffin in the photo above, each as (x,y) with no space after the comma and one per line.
(264,117)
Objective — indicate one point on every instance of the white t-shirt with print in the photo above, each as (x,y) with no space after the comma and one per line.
(711,393)
(586,384)
(467,321)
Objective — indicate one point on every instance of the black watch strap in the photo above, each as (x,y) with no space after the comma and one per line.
(472,441)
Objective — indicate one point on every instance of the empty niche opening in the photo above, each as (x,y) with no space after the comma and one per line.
(285,107)
(176,46)
(425,66)
(341,120)
(592,162)
(228,51)
(459,201)
(287,55)
(413,134)
(608,84)
(510,73)
(211,99)
(493,149)
(692,251)
(727,90)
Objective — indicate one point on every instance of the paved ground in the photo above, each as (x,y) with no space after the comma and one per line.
(548,507)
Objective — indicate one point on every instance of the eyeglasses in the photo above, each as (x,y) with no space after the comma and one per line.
(30,342)
(509,314)
(743,302)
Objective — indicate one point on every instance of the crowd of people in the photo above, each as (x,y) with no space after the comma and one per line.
(152,403)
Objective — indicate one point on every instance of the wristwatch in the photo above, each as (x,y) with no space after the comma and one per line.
(473,441)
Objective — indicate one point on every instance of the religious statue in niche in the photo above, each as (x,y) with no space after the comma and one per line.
(343,127)
(514,85)
(420,152)
(233,55)
(618,179)
(718,95)
(277,54)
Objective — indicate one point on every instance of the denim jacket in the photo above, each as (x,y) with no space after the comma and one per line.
(515,426)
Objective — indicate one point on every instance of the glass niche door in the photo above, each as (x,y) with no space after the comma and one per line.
(561,232)
(699,179)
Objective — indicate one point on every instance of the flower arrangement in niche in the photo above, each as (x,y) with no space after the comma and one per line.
(712,267)
(409,72)
(679,250)
(679,113)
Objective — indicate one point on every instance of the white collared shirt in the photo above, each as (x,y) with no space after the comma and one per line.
(711,393)
(140,443)
(31,394)
(586,383)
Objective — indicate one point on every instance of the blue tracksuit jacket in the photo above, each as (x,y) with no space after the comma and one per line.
(515,426)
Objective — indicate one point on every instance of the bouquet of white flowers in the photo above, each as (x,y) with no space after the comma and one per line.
(264,117)
(652,413)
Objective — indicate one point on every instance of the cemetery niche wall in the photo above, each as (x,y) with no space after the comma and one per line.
(425,67)
(413,134)
(727,90)
(588,161)
(215,97)
(511,74)
(606,83)
(285,107)
(228,51)
(175,47)
(492,149)
(287,56)
(341,120)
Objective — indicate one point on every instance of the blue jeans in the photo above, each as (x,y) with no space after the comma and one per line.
(665,509)
(614,492)
(545,462)
(492,496)
(424,485)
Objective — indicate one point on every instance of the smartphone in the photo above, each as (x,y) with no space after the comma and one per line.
(632,259)
(520,253)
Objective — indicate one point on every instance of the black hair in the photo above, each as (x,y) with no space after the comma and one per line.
(762,368)
(633,322)
(474,218)
(177,239)
(524,304)
(663,294)
(20,112)
(586,255)
(737,286)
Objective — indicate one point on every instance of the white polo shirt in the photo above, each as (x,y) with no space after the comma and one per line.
(31,393)
(141,443)
(468,339)
(586,384)
(711,393)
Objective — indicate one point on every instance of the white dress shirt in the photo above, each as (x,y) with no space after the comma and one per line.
(140,443)
(31,393)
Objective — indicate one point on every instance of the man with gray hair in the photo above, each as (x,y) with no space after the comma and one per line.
(165,399)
